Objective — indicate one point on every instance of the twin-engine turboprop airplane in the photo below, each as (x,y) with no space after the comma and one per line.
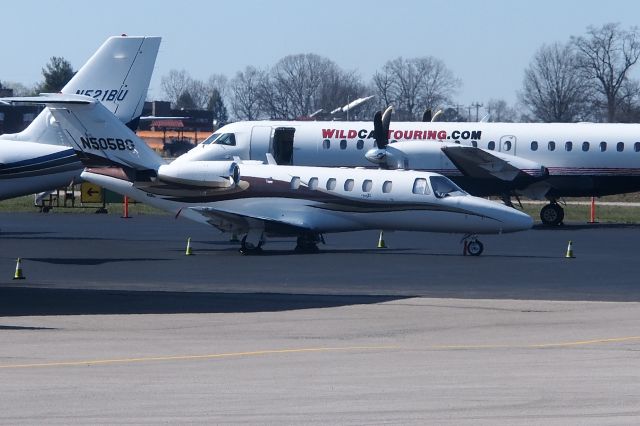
(261,200)
(537,160)
(38,158)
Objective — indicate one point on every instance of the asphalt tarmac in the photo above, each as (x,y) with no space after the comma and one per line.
(114,324)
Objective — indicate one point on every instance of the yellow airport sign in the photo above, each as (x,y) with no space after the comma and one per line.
(90,193)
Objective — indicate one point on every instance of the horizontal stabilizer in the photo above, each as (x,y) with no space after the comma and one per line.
(50,98)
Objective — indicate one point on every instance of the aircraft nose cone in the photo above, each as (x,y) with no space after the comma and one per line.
(517,221)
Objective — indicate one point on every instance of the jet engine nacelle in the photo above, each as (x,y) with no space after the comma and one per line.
(210,174)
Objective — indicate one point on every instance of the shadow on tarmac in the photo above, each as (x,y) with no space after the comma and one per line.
(91,261)
(18,301)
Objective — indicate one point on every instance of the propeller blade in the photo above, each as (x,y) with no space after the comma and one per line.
(426,117)
(381,137)
(386,121)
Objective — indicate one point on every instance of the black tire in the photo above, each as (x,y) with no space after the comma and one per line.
(475,248)
(249,249)
(552,214)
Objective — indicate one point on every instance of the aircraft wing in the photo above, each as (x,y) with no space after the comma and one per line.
(479,163)
(228,220)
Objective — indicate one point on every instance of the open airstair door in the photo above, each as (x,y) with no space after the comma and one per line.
(282,148)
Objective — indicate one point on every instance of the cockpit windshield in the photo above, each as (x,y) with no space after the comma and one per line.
(221,139)
(443,187)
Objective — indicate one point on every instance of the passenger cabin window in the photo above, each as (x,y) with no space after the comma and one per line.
(491,145)
(366,185)
(636,147)
(387,186)
(420,186)
(343,144)
(443,187)
(331,184)
(348,185)
(360,144)
(534,146)
(326,144)
(551,146)
(568,146)
(603,146)
(295,182)
(585,146)
(221,139)
(313,183)
(620,146)
(507,145)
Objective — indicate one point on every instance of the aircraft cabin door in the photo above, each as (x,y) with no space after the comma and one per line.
(508,144)
(260,142)
(282,147)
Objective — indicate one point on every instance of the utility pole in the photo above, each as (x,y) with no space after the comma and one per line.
(477,106)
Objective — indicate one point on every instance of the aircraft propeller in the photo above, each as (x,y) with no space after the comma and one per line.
(379,155)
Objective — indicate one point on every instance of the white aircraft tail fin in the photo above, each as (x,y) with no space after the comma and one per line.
(118,75)
(96,134)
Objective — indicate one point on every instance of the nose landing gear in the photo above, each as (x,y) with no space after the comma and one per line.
(472,246)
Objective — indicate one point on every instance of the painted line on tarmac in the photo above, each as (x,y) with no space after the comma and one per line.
(310,350)
(540,345)
(194,357)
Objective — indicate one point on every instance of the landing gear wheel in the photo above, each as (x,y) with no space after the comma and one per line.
(475,248)
(552,214)
(307,244)
(248,249)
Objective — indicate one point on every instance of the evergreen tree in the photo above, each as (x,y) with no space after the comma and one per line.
(57,74)
(216,105)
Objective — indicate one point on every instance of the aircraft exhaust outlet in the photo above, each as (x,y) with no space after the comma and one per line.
(18,275)
(188,252)
(569,254)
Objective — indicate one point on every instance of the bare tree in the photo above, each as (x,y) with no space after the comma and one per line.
(553,90)
(413,85)
(175,84)
(605,55)
(500,112)
(245,96)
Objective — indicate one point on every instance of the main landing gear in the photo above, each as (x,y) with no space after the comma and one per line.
(472,246)
(308,243)
(552,214)
(248,248)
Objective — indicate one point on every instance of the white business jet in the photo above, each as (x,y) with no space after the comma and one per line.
(262,200)
(39,158)
(536,160)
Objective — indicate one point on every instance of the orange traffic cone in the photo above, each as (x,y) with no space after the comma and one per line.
(18,275)
(189,252)
(569,254)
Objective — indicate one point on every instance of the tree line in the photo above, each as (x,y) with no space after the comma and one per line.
(586,78)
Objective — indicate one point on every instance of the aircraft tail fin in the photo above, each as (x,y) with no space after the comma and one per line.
(118,75)
(95,133)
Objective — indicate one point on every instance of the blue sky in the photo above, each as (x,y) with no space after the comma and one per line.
(487,44)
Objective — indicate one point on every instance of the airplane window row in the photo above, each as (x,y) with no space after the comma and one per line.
(586,146)
(568,146)
(442,186)
(326,144)
(349,184)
